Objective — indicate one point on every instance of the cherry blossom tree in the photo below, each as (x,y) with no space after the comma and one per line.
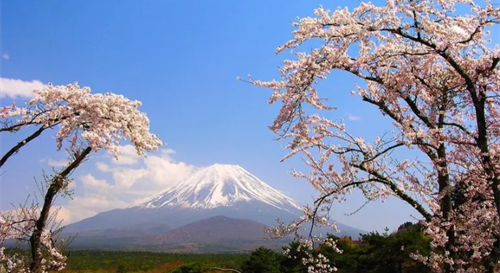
(85,123)
(431,68)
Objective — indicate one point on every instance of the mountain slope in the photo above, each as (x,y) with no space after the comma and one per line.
(149,218)
(218,229)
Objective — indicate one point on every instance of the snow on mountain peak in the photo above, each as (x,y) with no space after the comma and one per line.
(220,185)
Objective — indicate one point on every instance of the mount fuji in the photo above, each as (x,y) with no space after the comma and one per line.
(219,190)
(221,186)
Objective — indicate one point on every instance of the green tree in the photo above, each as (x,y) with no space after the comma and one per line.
(292,261)
(381,253)
(349,261)
(262,260)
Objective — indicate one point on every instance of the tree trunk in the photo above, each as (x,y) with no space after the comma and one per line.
(54,188)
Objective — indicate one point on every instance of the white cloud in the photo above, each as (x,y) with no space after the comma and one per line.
(164,172)
(127,156)
(127,183)
(81,207)
(59,214)
(57,163)
(6,56)
(63,215)
(90,182)
(103,167)
(352,117)
(126,178)
(18,88)
(54,162)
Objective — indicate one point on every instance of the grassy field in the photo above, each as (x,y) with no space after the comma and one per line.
(151,262)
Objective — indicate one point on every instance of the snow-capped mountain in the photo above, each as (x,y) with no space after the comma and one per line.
(220,186)
(218,190)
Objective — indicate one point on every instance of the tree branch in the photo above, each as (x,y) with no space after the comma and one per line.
(19,145)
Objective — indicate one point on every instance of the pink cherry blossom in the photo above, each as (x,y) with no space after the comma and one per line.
(432,71)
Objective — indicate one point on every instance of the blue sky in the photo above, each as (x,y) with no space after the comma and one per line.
(181,59)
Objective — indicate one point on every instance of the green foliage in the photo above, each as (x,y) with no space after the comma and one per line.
(188,268)
(381,253)
(373,253)
(262,260)
(121,269)
(350,260)
(135,261)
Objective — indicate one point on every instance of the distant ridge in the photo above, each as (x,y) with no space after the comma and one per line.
(217,229)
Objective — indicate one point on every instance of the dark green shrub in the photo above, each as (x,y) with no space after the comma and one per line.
(121,269)
(262,260)
(188,268)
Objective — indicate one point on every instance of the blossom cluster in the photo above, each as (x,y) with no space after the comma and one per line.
(102,120)
(315,262)
(17,225)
